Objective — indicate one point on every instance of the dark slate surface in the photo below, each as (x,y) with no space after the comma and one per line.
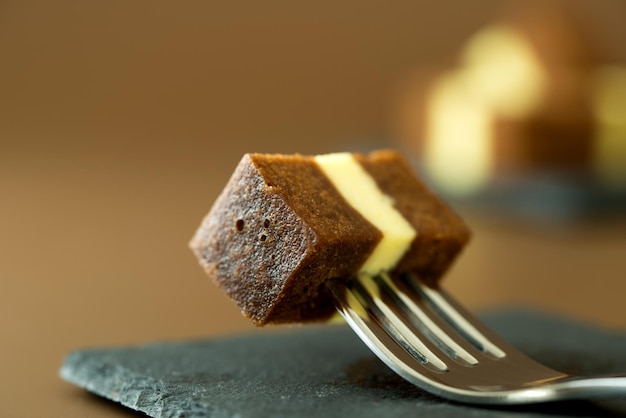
(324,372)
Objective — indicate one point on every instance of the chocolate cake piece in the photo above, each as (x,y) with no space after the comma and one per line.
(285,224)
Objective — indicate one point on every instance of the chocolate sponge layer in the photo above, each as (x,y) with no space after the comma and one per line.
(280,229)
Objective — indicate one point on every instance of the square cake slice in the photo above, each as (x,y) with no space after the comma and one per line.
(285,224)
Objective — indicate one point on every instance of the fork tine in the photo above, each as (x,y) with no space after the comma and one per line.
(376,337)
(431,326)
(458,318)
(366,291)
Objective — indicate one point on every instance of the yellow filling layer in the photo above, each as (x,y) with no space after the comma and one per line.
(360,190)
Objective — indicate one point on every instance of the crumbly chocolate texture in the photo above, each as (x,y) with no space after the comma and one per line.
(277,232)
(280,229)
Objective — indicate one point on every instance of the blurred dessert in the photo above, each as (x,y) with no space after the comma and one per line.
(285,224)
(529,95)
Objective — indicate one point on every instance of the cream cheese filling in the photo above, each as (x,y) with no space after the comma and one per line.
(360,190)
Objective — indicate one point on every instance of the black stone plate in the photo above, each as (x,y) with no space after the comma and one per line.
(326,371)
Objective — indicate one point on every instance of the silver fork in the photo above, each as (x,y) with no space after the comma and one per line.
(426,337)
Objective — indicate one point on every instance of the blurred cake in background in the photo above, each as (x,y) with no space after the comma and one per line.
(530,108)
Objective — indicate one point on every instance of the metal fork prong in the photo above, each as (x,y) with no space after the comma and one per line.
(374,336)
(367,293)
(427,326)
(457,320)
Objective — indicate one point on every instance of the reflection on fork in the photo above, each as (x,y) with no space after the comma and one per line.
(426,337)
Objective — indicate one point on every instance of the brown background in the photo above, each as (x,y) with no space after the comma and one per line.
(121,121)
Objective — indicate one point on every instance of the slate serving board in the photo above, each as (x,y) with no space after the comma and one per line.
(325,371)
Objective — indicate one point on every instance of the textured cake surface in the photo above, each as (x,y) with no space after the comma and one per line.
(281,228)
